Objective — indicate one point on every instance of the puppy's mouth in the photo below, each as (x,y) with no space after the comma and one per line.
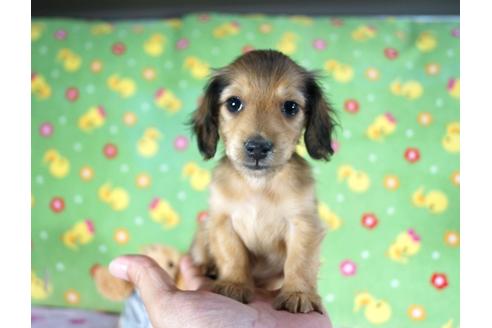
(256,166)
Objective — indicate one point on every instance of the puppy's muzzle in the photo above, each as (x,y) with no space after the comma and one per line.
(258,148)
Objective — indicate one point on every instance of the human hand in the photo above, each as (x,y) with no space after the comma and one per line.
(168,306)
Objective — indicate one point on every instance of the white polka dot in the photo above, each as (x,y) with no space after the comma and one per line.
(394,283)
(439,102)
(371,97)
(409,65)
(88,45)
(250,36)
(316,171)
(131,62)
(347,134)
(169,65)
(113,129)
(409,133)
(329,298)
(59,266)
(196,33)
(333,37)
(340,198)
(77,147)
(90,88)
(124,168)
(139,220)
(43,235)
(372,157)
(78,199)
(365,254)
(43,50)
(103,248)
(40,179)
(181,195)
(76,28)
(215,51)
(164,168)
(450,52)
(145,107)
(122,33)
(387,39)
(55,73)
(62,120)
(183,84)
(390,210)
(435,255)
(305,62)
(434,169)
(356,53)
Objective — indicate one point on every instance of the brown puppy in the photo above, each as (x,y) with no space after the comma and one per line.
(263,226)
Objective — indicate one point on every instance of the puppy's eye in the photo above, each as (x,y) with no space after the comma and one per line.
(290,108)
(234,104)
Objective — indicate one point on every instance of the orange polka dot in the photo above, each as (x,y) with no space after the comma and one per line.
(143,180)
(455,178)
(265,28)
(452,238)
(372,74)
(72,296)
(96,66)
(424,118)
(391,182)
(416,312)
(86,173)
(121,236)
(129,118)
(432,69)
(149,74)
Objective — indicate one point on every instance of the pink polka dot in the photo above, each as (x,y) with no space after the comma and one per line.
(181,143)
(60,34)
(335,145)
(72,94)
(57,204)
(319,44)
(46,129)
(110,151)
(348,268)
(182,43)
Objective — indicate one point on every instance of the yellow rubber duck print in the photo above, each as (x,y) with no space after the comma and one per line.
(363,33)
(435,201)
(117,198)
(199,178)
(41,288)
(148,144)
(410,90)
(448,324)
(71,61)
(198,68)
(59,166)
(426,42)
(329,217)
(341,72)
(454,88)
(357,181)
(383,126)
(407,244)
(39,87)
(288,43)
(92,119)
(161,212)
(80,234)
(166,100)
(451,140)
(154,46)
(125,87)
(226,29)
(376,311)
(36,31)
(102,29)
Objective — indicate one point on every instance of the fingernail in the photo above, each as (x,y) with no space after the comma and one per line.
(186,263)
(119,269)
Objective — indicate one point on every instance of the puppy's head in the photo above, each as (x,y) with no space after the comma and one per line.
(259,105)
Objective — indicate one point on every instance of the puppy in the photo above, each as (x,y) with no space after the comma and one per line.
(263,228)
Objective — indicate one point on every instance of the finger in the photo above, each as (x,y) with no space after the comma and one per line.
(191,275)
(149,278)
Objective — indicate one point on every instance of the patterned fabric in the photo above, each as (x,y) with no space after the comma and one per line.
(114,168)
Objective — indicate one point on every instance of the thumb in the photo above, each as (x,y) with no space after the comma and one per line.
(151,281)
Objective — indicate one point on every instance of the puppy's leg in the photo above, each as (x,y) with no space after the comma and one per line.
(298,293)
(200,253)
(231,258)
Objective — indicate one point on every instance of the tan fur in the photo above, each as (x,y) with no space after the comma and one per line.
(263,229)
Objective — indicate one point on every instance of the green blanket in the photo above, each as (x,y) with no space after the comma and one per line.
(114,167)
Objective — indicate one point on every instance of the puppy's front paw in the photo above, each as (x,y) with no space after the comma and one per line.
(240,292)
(298,302)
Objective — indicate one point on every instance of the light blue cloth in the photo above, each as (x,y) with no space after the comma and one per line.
(134,314)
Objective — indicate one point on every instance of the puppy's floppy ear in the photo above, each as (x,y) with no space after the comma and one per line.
(319,121)
(205,120)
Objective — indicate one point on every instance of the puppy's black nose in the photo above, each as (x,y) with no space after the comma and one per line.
(258,147)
